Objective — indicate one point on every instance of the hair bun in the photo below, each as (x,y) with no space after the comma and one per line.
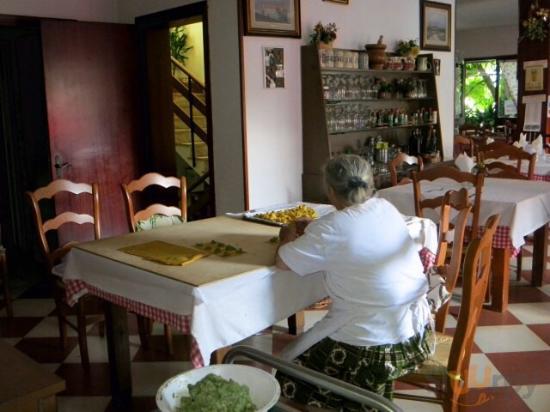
(355,182)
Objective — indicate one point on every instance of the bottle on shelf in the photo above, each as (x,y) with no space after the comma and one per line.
(415,143)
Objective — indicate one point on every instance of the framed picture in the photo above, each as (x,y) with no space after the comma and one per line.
(338,1)
(435,25)
(534,78)
(272,18)
(274,67)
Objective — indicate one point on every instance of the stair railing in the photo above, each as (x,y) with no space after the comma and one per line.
(188,89)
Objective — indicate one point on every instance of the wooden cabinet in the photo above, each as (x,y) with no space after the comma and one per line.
(350,110)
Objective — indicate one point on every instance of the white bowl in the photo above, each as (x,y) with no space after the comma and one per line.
(264,388)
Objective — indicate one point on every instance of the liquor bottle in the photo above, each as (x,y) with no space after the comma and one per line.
(415,143)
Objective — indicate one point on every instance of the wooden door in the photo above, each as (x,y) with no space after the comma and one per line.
(90,81)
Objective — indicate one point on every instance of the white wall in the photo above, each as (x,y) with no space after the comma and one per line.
(273,116)
(225,92)
(86,10)
(487,42)
(195,56)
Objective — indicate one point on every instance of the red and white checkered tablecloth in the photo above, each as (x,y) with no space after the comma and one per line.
(541,178)
(501,239)
(427,257)
(76,288)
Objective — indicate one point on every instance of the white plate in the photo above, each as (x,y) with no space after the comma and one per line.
(264,388)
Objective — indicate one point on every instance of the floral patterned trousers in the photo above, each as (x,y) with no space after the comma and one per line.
(373,368)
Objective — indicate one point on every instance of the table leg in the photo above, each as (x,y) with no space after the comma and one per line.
(500,280)
(118,347)
(540,247)
(296,323)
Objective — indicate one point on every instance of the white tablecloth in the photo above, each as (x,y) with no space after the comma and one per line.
(524,206)
(222,312)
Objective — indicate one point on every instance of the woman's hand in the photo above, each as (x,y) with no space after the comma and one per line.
(288,233)
(301,225)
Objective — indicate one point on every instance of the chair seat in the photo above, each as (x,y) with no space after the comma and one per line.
(436,365)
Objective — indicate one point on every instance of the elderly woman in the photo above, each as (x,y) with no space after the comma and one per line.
(374,330)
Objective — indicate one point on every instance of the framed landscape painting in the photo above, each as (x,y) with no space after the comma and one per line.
(435,25)
(272,18)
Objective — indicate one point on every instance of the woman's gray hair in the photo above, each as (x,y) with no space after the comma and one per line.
(350,176)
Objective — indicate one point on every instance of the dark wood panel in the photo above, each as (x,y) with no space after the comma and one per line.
(90,77)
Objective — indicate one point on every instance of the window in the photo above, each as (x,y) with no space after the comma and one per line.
(487,91)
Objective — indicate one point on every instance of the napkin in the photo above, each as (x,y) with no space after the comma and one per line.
(164,253)
(464,163)
(522,140)
(530,148)
(490,140)
(538,145)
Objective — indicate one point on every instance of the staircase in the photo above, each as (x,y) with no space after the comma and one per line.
(192,139)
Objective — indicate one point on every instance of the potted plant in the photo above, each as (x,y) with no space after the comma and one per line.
(377,54)
(178,45)
(535,26)
(408,48)
(324,36)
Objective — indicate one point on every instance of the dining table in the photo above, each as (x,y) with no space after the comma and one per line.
(217,300)
(524,208)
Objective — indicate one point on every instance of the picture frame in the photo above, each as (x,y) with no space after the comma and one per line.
(534,78)
(279,18)
(435,25)
(338,1)
(274,67)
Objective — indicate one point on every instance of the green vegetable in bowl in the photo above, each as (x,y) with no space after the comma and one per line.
(216,394)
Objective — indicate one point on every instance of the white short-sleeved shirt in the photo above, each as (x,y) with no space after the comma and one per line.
(371,265)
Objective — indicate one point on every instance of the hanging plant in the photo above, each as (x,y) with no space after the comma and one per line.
(535,26)
(323,34)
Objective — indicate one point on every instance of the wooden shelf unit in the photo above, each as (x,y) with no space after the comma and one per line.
(320,143)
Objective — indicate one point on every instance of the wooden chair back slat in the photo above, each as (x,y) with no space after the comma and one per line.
(54,256)
(61,185)
(398,161)
(66,217)
(477,266)
(157,209)
(503,171)
(148,180)
(152,179)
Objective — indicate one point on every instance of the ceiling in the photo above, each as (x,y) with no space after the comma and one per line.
(475,14)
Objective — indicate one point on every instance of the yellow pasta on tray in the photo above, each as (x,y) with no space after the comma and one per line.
(164,253)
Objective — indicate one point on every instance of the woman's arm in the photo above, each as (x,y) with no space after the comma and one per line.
(286,234)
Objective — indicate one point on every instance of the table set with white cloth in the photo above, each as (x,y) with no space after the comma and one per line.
(218,301)
(524,207)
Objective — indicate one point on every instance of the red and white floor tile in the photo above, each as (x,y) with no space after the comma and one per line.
(509,366)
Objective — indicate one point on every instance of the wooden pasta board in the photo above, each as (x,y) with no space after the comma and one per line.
(253,238)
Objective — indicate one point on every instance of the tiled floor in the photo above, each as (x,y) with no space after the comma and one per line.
(509,367)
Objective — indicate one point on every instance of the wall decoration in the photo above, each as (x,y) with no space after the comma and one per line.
(338,1)
(272,18)
(274,67)
(534,79)
(437,66)
(435,25)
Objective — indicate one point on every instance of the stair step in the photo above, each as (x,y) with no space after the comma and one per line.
(199,120)
(201,148)
(201,166)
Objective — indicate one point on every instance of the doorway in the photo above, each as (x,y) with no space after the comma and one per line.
(174,63)
(24,147)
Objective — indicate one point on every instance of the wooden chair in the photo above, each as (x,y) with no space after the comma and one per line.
(54,254)
(463,144)
(420,202)
(497,150)
(136,217)
(446,373)
(398,161)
